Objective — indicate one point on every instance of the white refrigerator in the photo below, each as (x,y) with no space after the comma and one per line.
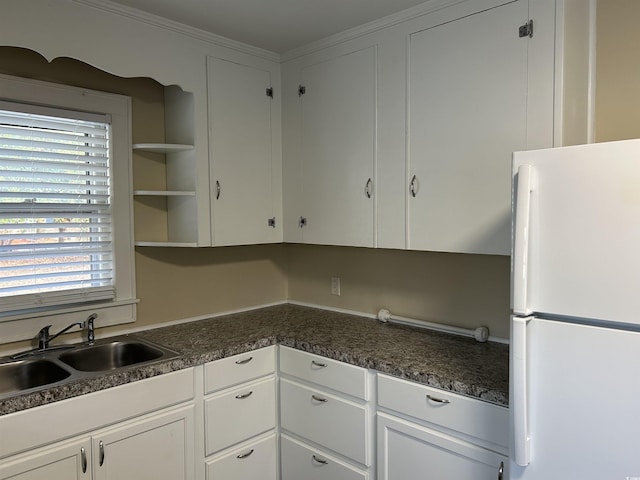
(575,328)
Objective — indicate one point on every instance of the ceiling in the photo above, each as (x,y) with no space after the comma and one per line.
(276,25)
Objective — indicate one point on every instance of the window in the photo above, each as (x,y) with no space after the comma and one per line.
(65,208)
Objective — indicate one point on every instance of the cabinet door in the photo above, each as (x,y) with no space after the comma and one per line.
(408,451)
(159,447)
(338,145)
(64,461)
(240,153)
(467,114)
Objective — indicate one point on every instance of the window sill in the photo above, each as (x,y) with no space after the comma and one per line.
(14,328)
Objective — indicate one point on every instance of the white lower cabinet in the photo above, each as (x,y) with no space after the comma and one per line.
(253,460)
(300,461)
(240,417)
(159,446)
(408,451)
(325,417)
(63,461)
(428,433)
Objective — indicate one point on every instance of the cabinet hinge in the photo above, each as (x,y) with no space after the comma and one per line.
(270,92)
(526,30)
(301,90)
(272,222)
(302,222)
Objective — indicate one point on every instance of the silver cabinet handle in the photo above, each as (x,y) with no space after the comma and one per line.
(217,190)
(244,395)
(368,188)
(101,448)
(321,461)
(83,459)
(244,455)
(319,399)
(244,361)
(438,400)
(501,471)
(414,186)
(318,364)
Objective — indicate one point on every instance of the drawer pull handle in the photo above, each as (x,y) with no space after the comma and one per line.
(83,458)
(245,455)
(242,396)
(321,461)
(501,471)
(319,399)
(318,364)
(242,362)
(101,448)
(438,400)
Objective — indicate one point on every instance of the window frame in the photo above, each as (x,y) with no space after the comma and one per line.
(21,325)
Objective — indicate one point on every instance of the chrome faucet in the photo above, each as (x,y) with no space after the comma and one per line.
(44,337)
(91,336)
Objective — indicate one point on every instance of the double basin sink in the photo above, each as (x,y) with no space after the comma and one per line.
(36,370)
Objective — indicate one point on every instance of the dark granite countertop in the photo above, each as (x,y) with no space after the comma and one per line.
(449,362)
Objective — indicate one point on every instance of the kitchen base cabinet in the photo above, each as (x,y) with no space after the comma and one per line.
(159,447)
(64,461)
(255,460)
(409,451)
(300,461)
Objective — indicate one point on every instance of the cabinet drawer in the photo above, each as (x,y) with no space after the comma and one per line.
(254,461)
(300,461)
(238,369)
(479,419)
(331,421)
(238,414)
(336,375)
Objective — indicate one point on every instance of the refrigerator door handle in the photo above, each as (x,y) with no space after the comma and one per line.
(522,441)
(521,241)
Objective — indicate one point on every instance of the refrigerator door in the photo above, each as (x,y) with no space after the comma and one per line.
(583,415)
(577,239)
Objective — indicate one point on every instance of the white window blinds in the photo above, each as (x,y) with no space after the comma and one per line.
(56,245)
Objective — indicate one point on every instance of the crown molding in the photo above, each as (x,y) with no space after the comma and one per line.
(177,27)
(426,8)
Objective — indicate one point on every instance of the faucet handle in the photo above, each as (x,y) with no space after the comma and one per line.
(88,324)
(43,337)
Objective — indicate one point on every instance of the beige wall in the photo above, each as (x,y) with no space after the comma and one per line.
(617,70)
(462,290)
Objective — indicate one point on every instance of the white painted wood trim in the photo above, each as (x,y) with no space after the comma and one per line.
(170,25)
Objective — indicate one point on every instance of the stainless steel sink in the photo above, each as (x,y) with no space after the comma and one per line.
(40,369)
(22,375)
(111,355)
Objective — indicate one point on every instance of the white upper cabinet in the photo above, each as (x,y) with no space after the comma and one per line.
(335,159)
(240,136)
(467,113)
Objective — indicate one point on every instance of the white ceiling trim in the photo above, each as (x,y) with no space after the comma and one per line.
(429,6)
(177,27)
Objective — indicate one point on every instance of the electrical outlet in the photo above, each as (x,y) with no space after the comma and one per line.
(335,286)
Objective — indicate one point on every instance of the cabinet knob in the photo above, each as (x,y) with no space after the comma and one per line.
(244,455)
(414,186)
(101,449)
(319,460)
(83,459)
(438,400)
(368,188)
